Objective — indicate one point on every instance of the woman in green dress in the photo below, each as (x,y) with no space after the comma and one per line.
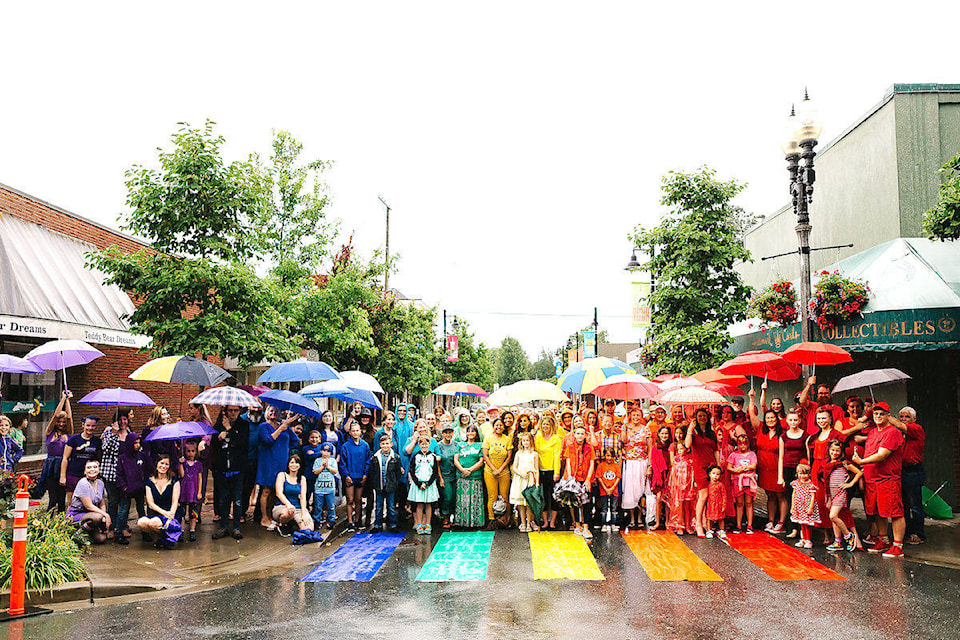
(448,471)
(471,507)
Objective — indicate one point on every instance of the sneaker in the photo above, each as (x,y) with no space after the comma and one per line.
(427,529)
(577,531)
(808,544)
(710,534)
(777,529)
(851,541)
(237,535)
(120,540)
(878,547)
(192,537)
(895,551)
(614,527)
(800,544)
(869,540)
(749,530)
(586,534)
(722,534)
(736,530)
(651,525)
(220,533)
(836,545)
(605,529)
(769,527)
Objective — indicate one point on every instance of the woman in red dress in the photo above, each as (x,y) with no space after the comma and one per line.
(702,443)
(770,466)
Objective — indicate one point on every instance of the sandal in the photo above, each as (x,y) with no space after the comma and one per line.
(271,527)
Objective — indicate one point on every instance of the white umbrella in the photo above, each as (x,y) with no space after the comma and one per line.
(692,395)
(526,391)
(325,389)
(870,378)
(360,380)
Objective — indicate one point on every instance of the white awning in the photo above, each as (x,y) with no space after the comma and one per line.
(43,276)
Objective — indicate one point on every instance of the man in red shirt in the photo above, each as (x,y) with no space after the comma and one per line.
(913,475)
(882,464)
(824,401)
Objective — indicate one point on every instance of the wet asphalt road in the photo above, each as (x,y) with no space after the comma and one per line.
(883,599)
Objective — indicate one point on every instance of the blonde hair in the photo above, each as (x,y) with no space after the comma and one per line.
(803,468)
(7,421)
(156,417)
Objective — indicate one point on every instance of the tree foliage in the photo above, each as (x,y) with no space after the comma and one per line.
(298,232)
(474,363)
(543,368)
(195,204)
(405,339)
(942,221)
(698,294)
(512,362)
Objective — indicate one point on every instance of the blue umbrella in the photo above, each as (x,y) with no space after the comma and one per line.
(336,389)
(181,430)
(299,371)
(290,401)
(117,398)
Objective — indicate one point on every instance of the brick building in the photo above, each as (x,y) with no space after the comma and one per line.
(47,293)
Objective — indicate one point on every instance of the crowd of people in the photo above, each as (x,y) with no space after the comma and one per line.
(691,470)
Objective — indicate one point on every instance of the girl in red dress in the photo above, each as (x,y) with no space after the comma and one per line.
(680,491)
(716,502)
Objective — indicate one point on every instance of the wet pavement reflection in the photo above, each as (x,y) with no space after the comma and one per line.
(882,598)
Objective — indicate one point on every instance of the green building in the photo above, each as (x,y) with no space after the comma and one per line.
(874,183)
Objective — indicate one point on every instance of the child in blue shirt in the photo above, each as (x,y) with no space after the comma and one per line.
(325,486)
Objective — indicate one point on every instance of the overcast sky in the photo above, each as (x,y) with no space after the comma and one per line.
(517,143)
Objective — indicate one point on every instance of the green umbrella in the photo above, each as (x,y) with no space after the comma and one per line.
(534,497)
(935,506)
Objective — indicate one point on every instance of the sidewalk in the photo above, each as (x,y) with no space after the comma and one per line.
(138,571)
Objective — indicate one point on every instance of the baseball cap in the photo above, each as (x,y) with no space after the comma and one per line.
(446,427)
(883,406)
(326,446)
(492,409)
(609,401)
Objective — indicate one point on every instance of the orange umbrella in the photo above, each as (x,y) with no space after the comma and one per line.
(714,375)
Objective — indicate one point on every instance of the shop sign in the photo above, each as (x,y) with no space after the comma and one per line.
(53,330)
(902,330)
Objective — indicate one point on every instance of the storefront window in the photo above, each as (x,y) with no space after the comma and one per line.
(28,399)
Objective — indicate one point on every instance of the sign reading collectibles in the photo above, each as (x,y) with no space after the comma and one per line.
(904,330)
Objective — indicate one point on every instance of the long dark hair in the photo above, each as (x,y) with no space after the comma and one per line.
(123,412)
(777,429)
(709,433)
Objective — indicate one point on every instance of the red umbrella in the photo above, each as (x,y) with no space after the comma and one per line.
(713,375)
(727,390)
(663,377)
(816,353)
(761,363)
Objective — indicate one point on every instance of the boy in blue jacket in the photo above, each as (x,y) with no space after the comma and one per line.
(354,465)
(385,476)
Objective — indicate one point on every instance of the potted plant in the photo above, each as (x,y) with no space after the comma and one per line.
(837,298)
(775,305)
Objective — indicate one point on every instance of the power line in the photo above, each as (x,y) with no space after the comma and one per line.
(537,315)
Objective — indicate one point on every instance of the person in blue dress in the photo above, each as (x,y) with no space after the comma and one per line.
(275,441)
(403,429)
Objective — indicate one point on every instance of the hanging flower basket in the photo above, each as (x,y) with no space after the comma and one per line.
(775,305)
(836,299)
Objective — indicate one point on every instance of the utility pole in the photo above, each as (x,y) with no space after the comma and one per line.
(596,334)
(386,271)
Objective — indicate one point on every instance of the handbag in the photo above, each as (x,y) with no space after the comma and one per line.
(499,506)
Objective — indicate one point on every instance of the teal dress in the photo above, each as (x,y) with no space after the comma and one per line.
(471,510)
(449,473)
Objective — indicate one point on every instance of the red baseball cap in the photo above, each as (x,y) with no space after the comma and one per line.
(882,406)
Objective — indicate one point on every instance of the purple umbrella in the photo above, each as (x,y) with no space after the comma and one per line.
(254,389)
(117,398)
(13,364)
(60,354)
(181,430)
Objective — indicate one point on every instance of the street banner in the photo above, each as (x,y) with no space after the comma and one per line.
(640,301)
(571,357)
(590,344)
(453,348)
(558,367)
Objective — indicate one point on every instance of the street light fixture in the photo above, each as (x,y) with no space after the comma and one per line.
(803,129)
(634,264)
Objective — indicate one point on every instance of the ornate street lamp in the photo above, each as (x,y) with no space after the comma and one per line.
(803,129)
(634,264)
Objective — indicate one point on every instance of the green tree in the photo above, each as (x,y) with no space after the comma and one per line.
(543,368)
(195,204)
(196,290)
(698,293)
(942,221)
(407,348)
(298,232)
(512,362)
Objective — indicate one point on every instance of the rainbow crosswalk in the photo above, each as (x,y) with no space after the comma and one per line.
(465,556)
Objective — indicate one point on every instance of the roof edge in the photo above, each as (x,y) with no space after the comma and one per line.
(141,241)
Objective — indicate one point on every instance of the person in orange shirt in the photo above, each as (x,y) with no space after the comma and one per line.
(608,476)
